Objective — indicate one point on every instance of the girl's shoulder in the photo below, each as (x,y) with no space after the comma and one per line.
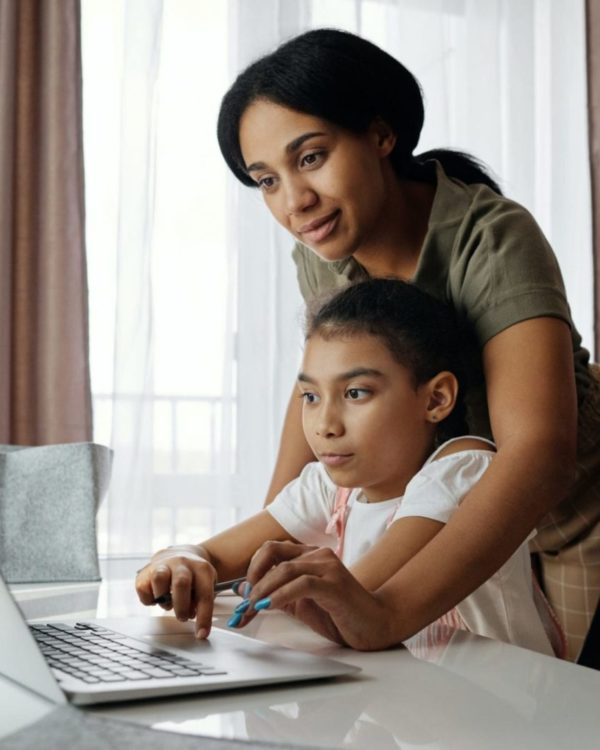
(461,445)
(446,477)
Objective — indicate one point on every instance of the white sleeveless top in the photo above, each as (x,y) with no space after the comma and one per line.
(502,608)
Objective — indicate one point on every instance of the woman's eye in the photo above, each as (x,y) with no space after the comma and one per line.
(266,183)
(312,159)
(310,398)
(354,394)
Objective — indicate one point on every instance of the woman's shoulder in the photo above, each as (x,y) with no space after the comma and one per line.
(477,208)
(489,258)
(492,247)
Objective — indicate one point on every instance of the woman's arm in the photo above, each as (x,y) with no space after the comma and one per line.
(294,451)
(533,412)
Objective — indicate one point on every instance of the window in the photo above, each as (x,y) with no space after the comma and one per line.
(193,300)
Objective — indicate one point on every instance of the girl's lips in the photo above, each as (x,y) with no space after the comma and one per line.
(335,459)
(317,232)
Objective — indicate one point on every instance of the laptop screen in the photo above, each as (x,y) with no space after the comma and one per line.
(20,658)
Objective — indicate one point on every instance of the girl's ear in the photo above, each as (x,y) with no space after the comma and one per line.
(384,136)
(442,392)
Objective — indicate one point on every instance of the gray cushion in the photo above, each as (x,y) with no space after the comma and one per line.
(49,496)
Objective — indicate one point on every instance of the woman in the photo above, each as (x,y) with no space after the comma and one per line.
(326,127)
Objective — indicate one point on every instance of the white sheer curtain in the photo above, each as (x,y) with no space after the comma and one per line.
(161,277)
(194,306)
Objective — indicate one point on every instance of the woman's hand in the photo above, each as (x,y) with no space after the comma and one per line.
(186,578)
(313,584)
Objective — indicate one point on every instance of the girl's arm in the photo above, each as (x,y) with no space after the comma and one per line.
(294,451)
(533,412)
(189,572)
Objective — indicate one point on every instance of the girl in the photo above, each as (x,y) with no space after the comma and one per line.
(326,127)
(378,390)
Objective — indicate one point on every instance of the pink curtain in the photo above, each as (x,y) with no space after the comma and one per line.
(44,363)
(593,70)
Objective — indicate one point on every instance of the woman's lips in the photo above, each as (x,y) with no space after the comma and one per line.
(335,459)
(318,230)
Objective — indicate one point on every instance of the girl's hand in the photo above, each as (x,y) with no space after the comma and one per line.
(187,581)
(313,584)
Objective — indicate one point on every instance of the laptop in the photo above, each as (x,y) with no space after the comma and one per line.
(114,660)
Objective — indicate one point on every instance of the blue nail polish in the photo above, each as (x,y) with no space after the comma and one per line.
(263,604)
(242,607)
(234,620)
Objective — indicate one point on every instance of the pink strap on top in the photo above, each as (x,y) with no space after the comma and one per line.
(452,618)
(337,522)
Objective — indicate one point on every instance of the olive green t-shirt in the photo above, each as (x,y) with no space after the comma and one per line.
(485,256)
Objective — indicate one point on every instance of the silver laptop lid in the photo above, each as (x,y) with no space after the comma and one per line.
(20,658)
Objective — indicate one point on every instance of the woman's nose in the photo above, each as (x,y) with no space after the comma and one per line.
(299,196)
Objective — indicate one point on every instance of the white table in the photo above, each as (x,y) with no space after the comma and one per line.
(446,689)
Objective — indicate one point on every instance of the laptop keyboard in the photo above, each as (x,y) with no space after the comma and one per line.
(95,654)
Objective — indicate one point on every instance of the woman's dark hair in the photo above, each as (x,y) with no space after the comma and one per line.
(419,331)
(342,78)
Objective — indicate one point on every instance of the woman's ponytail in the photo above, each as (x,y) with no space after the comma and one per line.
(461,166)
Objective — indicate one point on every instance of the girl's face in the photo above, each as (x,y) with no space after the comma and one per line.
(362,415)
(325,185)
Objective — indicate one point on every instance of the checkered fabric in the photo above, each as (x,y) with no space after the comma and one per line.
(568,540)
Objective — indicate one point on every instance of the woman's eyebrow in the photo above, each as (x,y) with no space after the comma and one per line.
(297,142)
(291,147)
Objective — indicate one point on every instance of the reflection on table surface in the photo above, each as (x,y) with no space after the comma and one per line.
(442,689)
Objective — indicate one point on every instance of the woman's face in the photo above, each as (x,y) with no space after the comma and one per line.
(325,185)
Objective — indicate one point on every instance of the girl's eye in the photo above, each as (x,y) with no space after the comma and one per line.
(312,159)
(310,398)
(355,394)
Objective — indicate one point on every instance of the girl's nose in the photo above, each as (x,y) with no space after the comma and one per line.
(329,424)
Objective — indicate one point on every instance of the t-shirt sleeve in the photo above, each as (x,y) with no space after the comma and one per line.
(307,279)
(506,271)
(437,490)
(305,506)
(318,278)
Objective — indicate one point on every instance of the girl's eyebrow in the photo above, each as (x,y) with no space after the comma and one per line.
(291,147)
(355,373)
